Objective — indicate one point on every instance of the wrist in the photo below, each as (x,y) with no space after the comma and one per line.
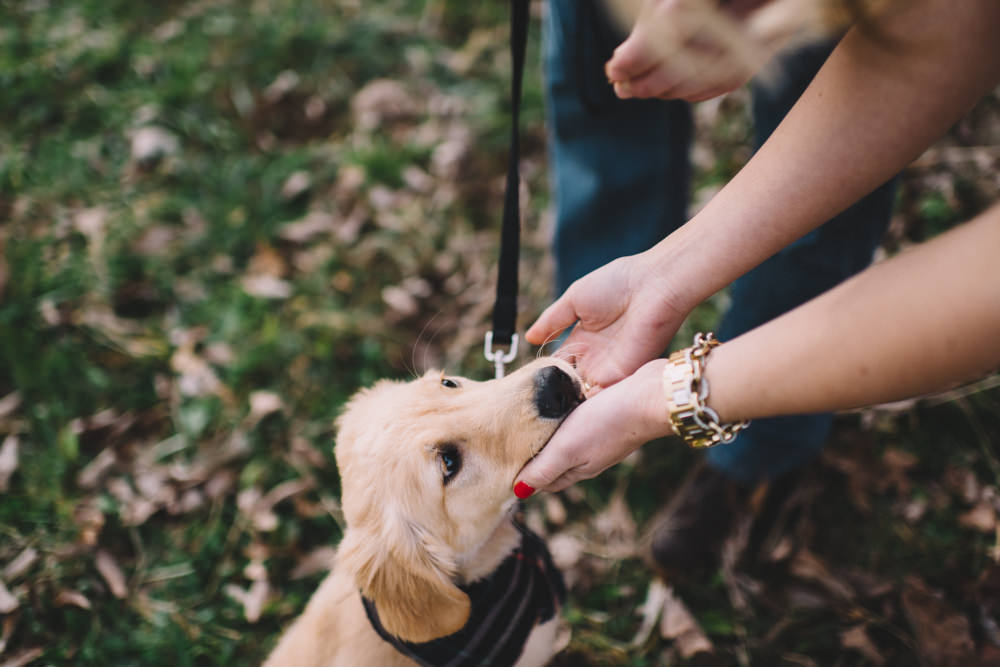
(652,417)
(686,391)
(675,269)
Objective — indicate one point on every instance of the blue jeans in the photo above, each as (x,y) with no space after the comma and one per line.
(621,174)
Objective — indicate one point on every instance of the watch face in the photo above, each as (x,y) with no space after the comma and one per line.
(682,397)
(677,372)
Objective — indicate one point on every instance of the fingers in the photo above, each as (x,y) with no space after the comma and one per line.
(566,480)
(540,473)
(657,82)
(552,321)
(630,60)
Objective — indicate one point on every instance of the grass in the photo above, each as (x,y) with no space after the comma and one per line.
(179,327)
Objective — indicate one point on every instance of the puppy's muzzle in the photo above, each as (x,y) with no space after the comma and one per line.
(556,393)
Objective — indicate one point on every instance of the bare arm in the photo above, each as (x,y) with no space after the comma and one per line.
(873,107)
(921,321)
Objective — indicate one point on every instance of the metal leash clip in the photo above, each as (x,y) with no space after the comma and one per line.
(498,357)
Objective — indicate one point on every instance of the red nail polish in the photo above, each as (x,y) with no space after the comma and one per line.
(522,490)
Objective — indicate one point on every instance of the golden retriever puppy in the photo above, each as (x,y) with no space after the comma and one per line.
(433,569)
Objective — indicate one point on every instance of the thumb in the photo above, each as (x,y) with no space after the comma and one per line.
(552,321)
(630,60)
(538,473)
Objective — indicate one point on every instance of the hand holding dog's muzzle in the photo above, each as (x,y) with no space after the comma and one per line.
(599,433)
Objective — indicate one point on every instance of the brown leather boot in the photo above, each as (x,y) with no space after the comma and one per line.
(687,535)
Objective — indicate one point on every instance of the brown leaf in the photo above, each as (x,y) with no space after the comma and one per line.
(9,623)
(154,241)
(151,143)
(964,483)
(20,565)
(857,638)
(266,287)
(401,301)
(284,83)
(296,183)
(23,657)
(8,602)
(9,403)
(942,634)
(259,507)
(566,549)
(417,179)
(263,403)
(678,624)
(8,461)
(112,573)
(220,484)
(807,565)
(316,561)
(4,269)
(136,509)
(91,222)
(94,472)
(616,528)
(90,519)
(555,511)
(982,517)
(252,599)
(195,375)
(68,598)
(898,463)
(309,227)
(255,571)
(350,179)
(382,100)
(650,611)
(914,509)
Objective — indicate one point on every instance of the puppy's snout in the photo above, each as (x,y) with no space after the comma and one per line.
(556,393)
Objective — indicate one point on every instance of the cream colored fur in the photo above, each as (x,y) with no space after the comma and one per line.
(411,537)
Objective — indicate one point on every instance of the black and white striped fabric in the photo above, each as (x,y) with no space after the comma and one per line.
(526,590)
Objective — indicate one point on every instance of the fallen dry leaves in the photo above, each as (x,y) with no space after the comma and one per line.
(8,461)
(112,573)
(941,632)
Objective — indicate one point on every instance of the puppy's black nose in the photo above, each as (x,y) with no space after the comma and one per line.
(555,393)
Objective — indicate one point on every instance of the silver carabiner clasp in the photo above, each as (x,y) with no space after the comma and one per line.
(498,357)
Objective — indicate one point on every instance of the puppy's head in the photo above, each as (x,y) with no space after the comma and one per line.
(426,468)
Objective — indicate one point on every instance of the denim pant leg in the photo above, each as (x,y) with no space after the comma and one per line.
(620,168)
(810,266)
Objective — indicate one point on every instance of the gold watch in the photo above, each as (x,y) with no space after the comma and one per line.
(686,391)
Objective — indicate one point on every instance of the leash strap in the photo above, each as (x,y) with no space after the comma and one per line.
(505,308)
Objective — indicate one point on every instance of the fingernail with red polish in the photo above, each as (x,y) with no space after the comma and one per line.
(522,490)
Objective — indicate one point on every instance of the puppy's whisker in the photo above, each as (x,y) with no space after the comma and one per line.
(552,337)
(570,352)
(426,348)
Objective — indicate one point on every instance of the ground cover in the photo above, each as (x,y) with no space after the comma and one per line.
(218,219)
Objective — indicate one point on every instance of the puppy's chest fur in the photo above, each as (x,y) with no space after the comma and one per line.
(336,629)
(519,598)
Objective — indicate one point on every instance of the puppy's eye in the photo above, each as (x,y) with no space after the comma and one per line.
(448,382)
(450,460)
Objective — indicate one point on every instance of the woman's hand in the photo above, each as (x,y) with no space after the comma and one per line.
(599,433)
(625,315)
(687,49)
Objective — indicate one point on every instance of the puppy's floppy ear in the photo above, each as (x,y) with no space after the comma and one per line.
(407,579)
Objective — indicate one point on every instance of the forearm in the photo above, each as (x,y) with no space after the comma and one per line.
(919,322)
(872,108)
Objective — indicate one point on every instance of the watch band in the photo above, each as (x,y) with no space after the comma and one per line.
(686,391)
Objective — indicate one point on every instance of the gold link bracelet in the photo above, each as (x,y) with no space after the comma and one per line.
(686,391)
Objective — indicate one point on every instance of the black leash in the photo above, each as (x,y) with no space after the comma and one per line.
(504,330)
